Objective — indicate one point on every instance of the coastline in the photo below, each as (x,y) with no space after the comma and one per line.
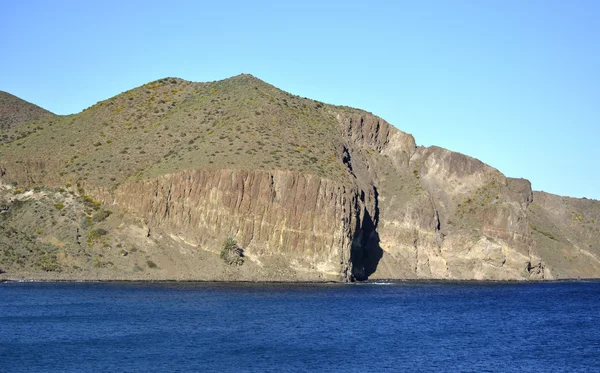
(290,282)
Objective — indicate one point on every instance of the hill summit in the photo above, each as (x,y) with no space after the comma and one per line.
(152,182)
(14,111)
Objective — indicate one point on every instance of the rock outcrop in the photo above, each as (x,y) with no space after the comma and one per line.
(304,219)
(442,214)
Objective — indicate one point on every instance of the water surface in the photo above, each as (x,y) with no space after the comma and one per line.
(412,327)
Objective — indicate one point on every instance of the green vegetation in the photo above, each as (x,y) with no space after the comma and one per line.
(35,232)
(99,263)
(483,197)
(90,202)
(231,253)
(95,234)
(101,215)
(547,234)
(48,262)
(577,216)
(171,124)
(16,111)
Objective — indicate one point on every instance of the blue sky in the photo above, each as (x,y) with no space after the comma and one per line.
(513,83)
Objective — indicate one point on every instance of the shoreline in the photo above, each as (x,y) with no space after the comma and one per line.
(279,282)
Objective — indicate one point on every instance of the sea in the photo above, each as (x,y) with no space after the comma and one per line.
(238,327)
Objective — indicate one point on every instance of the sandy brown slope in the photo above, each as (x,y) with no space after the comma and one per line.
(14,111)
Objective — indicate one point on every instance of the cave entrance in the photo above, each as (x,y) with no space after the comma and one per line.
(366,252)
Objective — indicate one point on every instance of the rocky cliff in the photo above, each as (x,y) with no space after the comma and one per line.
(309,191)
(303,220)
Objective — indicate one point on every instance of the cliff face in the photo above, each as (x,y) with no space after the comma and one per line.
(307,221)
(309,191)
(441,214)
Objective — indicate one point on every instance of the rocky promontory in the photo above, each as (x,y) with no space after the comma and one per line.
(150,183)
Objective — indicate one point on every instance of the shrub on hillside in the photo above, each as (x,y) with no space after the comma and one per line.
(231,253)
(101,215)
(95,235)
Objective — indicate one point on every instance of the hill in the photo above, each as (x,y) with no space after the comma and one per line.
(149,183)
(14,111)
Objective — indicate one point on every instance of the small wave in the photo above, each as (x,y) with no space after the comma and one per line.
(373,283)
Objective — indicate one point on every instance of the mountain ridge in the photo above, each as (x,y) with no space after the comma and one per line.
(183,165)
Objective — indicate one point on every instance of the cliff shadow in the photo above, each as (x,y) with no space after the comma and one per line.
(366,252)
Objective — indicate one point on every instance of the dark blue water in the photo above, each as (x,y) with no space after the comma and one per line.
(93,327)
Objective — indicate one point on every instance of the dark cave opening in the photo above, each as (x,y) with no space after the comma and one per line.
(366,251)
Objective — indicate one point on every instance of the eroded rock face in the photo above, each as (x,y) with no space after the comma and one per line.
(311,223)
(442,214)
(29,172)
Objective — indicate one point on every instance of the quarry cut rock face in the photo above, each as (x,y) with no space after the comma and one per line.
(149,185)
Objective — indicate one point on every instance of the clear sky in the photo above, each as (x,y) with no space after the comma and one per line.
(513,83)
